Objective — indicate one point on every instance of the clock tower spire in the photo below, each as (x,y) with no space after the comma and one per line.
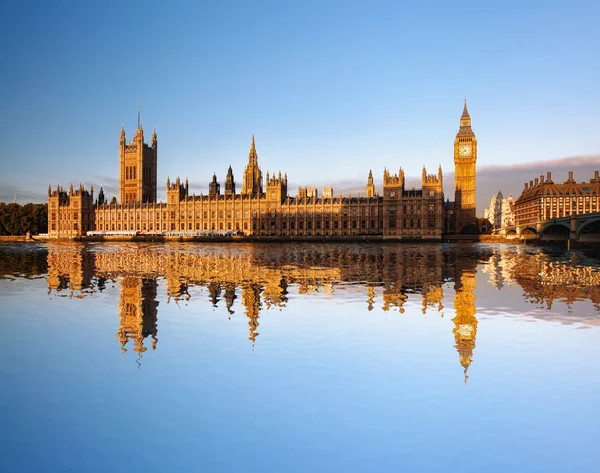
(465,163)
(465,119)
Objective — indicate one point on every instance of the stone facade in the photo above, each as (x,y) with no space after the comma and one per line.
(71,213)
(264,207)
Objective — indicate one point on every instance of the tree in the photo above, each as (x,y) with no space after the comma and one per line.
(18,219)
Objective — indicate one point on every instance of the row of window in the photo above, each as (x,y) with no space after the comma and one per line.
(412,223)
(272,224)
(71,216)
(237,226)
(65,227)
(213,214)
(567,199)
(273,213)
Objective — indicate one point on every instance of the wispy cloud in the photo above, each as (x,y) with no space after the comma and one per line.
(508,179)
(9,191)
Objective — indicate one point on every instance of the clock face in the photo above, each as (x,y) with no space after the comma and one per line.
(464,150)
(392,194)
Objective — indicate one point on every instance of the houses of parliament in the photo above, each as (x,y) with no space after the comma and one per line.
(263,207)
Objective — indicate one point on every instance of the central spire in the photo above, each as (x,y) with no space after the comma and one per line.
(252,156)
(252,175)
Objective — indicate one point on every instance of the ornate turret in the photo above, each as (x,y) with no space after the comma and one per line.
(214,188)
(432,180)
(394,183)
(276,187)
(101,198)
(252,184)
(176,192)
(370,185)
(229,182)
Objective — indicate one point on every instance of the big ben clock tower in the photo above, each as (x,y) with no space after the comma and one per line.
(465,162)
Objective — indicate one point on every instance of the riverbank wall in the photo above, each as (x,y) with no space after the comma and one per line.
(481,238)
(11,238)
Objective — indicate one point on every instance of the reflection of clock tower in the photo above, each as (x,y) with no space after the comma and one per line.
(465,161)
(465,321)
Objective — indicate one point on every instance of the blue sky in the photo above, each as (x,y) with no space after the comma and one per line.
(331,89)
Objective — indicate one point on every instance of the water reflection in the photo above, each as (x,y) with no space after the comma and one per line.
(254,278)
(137,312)
(258,278)
(465,322)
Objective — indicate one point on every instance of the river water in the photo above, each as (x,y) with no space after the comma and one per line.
(298,357)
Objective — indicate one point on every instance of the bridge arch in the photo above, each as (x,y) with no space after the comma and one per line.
(589,230)
(528,233)
(555,231)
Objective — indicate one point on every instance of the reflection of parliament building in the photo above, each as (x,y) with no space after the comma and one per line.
(257,280)
(264,207)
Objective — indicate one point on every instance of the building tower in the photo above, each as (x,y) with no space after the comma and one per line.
(276,187)
(137,168)
(433,200)
(214,188)
(465,161)
(393,189)
(252,184)
(370,185)
(229,182)
(70,213)
(101,197)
